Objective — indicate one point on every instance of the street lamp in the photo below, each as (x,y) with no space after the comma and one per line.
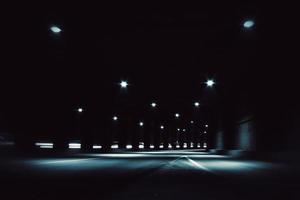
(197,104)
(141,124)
(55,29)
(248,24)
(177,115)
(162,127)
(153,104)
(80,110)
(124,84)
(206,125)
(210,83)
(192,122)
(115,118)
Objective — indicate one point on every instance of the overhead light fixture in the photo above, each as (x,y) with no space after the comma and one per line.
(55,29)
(123,84)
(248,24)
(210,83)
(97,147)
(74,145)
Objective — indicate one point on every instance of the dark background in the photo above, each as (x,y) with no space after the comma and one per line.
(165,51)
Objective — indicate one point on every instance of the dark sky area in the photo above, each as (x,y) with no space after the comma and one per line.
(165,52)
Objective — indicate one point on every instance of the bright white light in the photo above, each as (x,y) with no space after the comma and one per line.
(55,29)
(177,115)
(178,129)
(123,84)
(151,146)
(206,125)
(198,145)
(185,145)
(161,146)
(162,127)
(97,147)
(204,145)
(197,104)
(43,144)
(177,146)
(115,118)
(210,83)
(183,130)
(80,110)
(141,145)
(248,24)
(128,146)
(114,146)
(153,105)
(141,124)
(204,132)
(192,145)
(74,145)
(46,147)
(192,122)
(170,146)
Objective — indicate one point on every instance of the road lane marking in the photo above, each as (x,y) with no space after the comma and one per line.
(171,163)
(198,165)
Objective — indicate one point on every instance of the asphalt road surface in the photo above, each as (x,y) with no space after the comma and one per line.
(145,175)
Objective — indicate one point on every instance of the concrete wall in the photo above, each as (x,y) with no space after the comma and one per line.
(220,144)
(246,135)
